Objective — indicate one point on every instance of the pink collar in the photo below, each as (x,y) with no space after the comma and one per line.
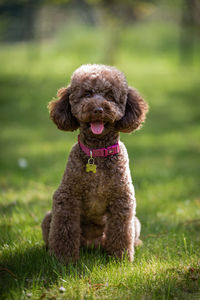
(104,152)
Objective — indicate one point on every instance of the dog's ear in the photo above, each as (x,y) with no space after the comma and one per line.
(60,111)
(135,112)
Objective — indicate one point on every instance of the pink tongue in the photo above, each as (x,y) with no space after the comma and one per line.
(97,127)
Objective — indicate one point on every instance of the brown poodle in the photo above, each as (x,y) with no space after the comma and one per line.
(95,203)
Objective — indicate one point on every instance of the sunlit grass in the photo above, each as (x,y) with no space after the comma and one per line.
(163,159)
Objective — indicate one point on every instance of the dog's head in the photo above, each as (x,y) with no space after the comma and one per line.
(97,99)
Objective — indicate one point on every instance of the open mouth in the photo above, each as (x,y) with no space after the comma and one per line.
(97,127)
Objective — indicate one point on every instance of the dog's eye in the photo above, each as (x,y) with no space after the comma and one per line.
(87,94)
(110,97)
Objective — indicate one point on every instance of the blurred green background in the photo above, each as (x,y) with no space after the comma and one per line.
(157,45)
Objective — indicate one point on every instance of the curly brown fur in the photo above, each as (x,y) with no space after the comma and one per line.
(135,113)
(60,111)
(95,209)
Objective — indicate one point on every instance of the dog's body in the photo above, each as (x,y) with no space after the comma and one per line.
(95,208)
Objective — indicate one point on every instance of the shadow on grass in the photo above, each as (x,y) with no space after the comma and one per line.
(27,266)
(24,267)
(34,266)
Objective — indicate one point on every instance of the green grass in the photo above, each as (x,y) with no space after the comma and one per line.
(163,159)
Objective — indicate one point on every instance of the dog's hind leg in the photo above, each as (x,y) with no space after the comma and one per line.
(46,227)
(137,225)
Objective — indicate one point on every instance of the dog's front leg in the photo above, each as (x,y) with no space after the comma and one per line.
(120,230)
(64,236)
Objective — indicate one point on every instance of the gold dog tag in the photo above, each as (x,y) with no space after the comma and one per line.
(90,166)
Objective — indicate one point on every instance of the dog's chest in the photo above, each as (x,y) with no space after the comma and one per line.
(96,193)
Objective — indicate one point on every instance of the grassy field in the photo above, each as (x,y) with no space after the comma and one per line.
(163,160)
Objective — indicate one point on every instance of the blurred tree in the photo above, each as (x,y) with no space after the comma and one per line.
(38,19)
(116,15)
(190,22)
(17,19)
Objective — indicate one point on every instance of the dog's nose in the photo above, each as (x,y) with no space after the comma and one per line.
(98,110)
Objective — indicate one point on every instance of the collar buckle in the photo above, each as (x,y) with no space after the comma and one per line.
(111,150)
